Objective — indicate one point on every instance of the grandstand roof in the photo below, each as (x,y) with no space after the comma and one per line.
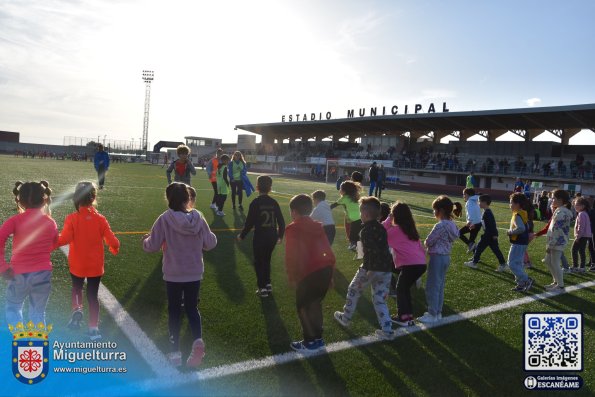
(556,118)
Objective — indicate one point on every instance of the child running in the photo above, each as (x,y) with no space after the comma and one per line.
(557,238)
(350,194)
(582,235)
(322,213)
(265,216)
(183,166)
(543,232)
(85,231)
(473,215)
(222,184)
(34,237)
(490,236)
(309,262)
(439,244)
(519,238)
(375,271)
(409,258)
(183,234)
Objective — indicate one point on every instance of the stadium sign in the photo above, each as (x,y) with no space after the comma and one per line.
(364,112)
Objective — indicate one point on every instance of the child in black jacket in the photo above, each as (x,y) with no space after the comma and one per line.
(490,237)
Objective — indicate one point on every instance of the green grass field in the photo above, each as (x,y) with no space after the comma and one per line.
(481,356)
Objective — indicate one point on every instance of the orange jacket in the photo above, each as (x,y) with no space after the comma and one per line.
(85,231)
(215,164)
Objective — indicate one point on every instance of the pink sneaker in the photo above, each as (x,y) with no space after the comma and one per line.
(197,353)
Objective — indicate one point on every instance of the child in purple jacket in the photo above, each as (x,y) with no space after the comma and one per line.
(183,234)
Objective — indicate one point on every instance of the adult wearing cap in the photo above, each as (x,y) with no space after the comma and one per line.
(101,162)
(211,169)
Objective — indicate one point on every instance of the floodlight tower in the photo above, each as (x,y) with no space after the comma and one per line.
(148,76)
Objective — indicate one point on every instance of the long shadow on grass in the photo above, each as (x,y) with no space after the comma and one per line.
(277,336)
(150,302)
(453,360)
(223,262)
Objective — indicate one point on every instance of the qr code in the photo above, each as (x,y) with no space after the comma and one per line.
(553,341)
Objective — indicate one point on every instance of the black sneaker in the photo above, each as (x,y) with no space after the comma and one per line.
(262,292)
(518,288)
(269,288)
(75,319)
(528,284)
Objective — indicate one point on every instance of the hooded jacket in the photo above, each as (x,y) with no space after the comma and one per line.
(472,210)
(306,249)
(182,236)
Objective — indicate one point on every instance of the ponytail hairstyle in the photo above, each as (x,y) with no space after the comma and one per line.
(85,194)
(443,205)
(403,218)
(30,195)
(177,196)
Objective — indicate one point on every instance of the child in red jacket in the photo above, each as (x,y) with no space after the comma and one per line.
(85,231)
(309,262)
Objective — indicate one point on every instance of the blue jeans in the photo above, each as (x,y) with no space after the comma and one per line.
(372,186)
(435,282)
(36,286)
(515,262)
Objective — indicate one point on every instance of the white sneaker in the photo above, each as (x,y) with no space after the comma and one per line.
(501,268)
(418,283)
(471,247)
(471,264)
(175,358)
(220,213)
(428,318)
(556,288)
(550,287)
(214,206)
(385,335)
(343,321)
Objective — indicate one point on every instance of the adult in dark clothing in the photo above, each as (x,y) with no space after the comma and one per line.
(101,162)
(265,216)
(373,174)
(380,181)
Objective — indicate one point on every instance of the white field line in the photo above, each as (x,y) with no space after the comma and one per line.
(141,342)
(165,382)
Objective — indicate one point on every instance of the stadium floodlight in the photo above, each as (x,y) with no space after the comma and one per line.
(148,76)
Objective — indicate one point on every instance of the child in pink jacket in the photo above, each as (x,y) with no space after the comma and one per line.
(409,258)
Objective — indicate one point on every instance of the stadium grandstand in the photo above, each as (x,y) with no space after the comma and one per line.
(409,148)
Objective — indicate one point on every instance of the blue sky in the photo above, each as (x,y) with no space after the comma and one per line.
(71,68)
